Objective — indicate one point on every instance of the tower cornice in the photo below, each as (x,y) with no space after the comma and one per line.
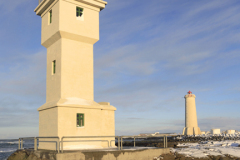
(190,96)
(44,4)
(96,3)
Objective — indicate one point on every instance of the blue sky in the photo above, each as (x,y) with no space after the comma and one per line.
(149,55)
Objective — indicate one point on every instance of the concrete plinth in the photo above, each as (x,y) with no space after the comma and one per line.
(191,131)
(126,154)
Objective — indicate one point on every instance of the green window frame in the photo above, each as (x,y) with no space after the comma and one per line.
(80,120)
(54,67)
(50,16)
(79,12)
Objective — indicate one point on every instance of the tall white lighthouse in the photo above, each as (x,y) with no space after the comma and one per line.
(70,28)
(191,124)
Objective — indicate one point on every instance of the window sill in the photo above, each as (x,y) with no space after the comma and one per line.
(80,127)
(80,18)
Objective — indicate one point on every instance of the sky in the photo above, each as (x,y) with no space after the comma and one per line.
(150,54)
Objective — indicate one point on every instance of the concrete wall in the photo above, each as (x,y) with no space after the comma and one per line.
(53,91)
(77,70)
(49,31)
(70,41)
(48,127)
(147,154)
(61,121)
(97,122)
(81,30)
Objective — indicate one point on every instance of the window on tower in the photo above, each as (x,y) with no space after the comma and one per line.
(79,12)
(50,17)
(54,67)
(80,120)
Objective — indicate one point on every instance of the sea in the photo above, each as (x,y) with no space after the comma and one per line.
(9,146)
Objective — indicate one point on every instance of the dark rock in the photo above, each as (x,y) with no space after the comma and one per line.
(33,157)
(224,158)
(18,155)
(216,157)
(182,158)
(168,157)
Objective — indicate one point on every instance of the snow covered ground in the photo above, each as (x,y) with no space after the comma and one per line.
(214,148)
(235,135)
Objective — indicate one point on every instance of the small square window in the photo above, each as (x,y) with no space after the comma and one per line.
(80,120)
(79,12)
(54,67)
(50,17)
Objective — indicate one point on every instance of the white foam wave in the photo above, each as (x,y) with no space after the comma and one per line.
(7,150)
(7,142)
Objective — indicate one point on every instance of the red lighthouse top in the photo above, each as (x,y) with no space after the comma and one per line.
(189,92)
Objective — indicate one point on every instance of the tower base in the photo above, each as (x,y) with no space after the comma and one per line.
(191,131)
(61,120)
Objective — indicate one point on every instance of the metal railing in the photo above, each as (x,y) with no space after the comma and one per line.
(120,140)
(37,140)
(86,137)
(100,139)
(138,137)
(20,142)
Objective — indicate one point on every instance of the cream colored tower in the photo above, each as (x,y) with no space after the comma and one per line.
(191,124)
(70,28)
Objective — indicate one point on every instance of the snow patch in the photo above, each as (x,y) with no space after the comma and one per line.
(216,148)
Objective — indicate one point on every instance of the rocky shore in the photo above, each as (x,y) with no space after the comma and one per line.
(29,154)
(176,156)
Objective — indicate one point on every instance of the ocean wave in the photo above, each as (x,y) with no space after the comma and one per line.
(8,142)
(2,150)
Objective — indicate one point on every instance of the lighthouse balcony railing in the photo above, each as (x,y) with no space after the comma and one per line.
(107,139)
(37,140)
(119,139)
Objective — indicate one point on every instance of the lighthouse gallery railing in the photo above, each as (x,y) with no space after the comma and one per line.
(119,138)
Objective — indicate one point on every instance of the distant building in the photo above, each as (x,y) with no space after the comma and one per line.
(230,131)
(215,131)
(203,132)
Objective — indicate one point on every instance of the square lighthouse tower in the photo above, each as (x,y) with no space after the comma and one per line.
(70,28)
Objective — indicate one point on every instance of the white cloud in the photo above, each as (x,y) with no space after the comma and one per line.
(22,91)
(10,5)
(24,74)
(190,46)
